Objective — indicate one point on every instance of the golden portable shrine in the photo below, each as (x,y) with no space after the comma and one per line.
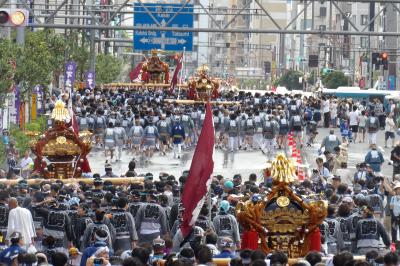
(60,152)
(203,87)
(154,70)
(155,74)
(283,220)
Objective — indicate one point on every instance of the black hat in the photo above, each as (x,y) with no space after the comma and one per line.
(108,166)
(108,183)
(34,187)
(23,186)
(137,186)
(148,176)
(135,193)
(98,182)
(3,195)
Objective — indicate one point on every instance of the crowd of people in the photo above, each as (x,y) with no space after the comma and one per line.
(138,224)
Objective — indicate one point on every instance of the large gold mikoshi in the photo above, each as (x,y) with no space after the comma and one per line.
(283,220)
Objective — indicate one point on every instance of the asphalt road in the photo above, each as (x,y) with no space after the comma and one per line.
(229,164)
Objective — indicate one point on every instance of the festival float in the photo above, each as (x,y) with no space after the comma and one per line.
(154,73)
(202,87)
(61,154)
(282,220)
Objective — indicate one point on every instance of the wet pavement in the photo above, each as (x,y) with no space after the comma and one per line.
(228,163)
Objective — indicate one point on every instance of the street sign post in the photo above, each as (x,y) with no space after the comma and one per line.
(164,15)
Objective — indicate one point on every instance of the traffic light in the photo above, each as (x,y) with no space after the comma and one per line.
(384,60)
(13,17)
(267,67)
(375,59)
(313,60)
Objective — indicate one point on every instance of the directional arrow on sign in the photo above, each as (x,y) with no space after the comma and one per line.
(181,41)
(144,40)
(166,41)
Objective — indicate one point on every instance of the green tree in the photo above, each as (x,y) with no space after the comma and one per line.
(335,79)
(3,153)
(77,52)
(290,80)
(108,68)
(8,56)
(57,46)
(35,63)
(312,78)
(22,141)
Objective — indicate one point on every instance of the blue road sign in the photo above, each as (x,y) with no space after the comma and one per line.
(166,16)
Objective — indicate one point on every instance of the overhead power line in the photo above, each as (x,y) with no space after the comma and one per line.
(235,30)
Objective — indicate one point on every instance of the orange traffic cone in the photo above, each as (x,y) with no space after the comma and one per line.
(300,174)
(294,153)
(290,140)
(299,158)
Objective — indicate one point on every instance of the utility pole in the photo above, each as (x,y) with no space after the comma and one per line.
(304,27)
(92,56)
(371,29)
(20,30)
(391,46)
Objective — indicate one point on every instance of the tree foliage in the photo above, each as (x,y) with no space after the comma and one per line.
(57,45)
(335,79)
(8,56)
(77,52)
(312,78)
(42,59)
(21,139)
(35,63)
(290,80)
(108,68)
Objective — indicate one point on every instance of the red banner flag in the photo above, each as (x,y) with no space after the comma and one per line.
(174,80)
(74,123)
(199,178)
(134,74)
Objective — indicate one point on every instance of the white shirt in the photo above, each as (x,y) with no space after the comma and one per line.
(389,125)
(333,110)
(325,106)
(25,162)
(345,176)
(20,220)
(353,117)
(363,120)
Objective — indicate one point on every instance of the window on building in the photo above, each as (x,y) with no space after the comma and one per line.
(364,19)
(196,17)
(322,11)
(364,42)
(338,18)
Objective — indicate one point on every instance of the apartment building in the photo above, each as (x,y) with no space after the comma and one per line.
(266,53)
(228,50)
